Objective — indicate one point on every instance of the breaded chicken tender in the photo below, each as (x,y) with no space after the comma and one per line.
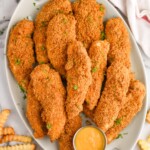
(48,11)
(61,31)
(33,113)
(89,15)
(65,141)
(20,52)
(98,54)
(113,96)
(79,78)
(49,91)
(118,37)
(134,104)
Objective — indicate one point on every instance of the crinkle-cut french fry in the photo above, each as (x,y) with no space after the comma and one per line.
(19,147)
(3,117)
(143,145)
(17,138)
(148,139)
(7,131)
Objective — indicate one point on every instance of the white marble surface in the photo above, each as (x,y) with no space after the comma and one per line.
(6,9)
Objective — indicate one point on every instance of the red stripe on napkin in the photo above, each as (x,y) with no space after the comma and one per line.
(145,18)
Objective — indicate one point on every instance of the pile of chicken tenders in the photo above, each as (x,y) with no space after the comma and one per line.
(68,62)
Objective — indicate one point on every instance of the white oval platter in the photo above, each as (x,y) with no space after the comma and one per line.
(25,9)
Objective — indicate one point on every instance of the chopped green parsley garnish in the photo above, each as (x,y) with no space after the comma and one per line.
(103,35)
(2,31)
(43,47)
(48,126)
(64,20)
(34,4)
(118,121)
(59,11)
(25,96)
(101,8)
(94,69)
(88,122)
(44,23)
(17,61)
(27,17)
(119,136)
(41,62)
(111,59)
(89,19)
(75,87)
(22,89)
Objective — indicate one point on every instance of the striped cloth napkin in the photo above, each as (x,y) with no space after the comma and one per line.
(138,15)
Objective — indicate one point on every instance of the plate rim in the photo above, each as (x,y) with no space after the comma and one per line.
(6,66)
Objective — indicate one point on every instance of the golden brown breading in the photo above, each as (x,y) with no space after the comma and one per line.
(48,11)
(79,78)
(134,104)
(65,141)
(113,96)
(98,54)
(89,15)
(20,52)
(33,113)
(89,113)
(132,76)
(61,31)
(49,90)
(118,37)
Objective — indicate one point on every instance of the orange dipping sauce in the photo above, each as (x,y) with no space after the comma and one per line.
(89,138)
